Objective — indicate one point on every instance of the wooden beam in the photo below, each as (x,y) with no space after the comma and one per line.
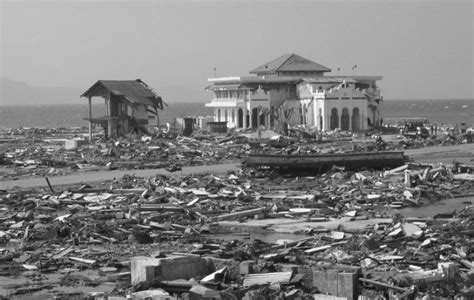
(90,120)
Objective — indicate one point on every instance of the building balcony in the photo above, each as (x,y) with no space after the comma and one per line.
(225,102)
(319,94)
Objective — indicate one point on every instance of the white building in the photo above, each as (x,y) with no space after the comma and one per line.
(298,86)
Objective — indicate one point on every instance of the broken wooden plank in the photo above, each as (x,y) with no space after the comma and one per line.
(241,214)
(266,278)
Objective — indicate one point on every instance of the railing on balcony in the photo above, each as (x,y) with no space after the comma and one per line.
(224,102)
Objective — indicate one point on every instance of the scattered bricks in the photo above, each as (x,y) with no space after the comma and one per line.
(169,268)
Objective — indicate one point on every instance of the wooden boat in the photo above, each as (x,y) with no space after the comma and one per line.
(321,162)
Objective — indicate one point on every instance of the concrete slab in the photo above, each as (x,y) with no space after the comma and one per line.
(170,268)
(335,283)
(347,286)
(325,281)
(156,294)
(142,268)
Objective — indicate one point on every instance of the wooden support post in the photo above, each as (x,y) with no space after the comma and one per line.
(90,120)
(110,122)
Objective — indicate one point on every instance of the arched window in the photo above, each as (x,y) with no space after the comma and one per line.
(345,119)
(334,119)
(233,115)
(355,119)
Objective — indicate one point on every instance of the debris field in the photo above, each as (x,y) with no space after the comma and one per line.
(249,234)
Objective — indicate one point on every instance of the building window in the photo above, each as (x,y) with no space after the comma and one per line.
(233,116)
(218,115)
(225,115)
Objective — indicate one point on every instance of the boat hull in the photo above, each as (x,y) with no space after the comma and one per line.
(321,162)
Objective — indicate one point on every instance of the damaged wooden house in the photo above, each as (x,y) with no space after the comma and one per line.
(131,106)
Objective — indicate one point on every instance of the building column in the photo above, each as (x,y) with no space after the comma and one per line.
(350,119)
(90,120)
(245,111)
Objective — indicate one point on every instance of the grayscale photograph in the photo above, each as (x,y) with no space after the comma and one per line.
(237,149)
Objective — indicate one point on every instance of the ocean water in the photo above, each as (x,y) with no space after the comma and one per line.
(55,116)
(440,111)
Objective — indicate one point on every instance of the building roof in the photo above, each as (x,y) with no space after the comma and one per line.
(359,78)
(327,80)
(251,82)
(134,91)
(291,63)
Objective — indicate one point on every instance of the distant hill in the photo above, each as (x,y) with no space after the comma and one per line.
(20,93)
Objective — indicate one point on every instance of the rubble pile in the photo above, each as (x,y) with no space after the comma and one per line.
(38,152)
(52,158)
(190,236)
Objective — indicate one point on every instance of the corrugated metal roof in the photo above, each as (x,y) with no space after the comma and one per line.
(135,91)
(290,62)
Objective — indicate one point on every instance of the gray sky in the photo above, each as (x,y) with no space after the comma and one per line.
(424,49)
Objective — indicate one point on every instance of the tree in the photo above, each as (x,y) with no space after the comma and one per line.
(282,114)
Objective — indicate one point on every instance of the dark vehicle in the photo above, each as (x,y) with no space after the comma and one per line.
(416,128)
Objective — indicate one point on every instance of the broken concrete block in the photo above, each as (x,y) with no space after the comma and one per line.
(156,294)
(73,144)
(199,292)
(169,268)
(342,284)
(411,229)
(142,268)
(449,269)
(246,267)
(325,281)
(347,285)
